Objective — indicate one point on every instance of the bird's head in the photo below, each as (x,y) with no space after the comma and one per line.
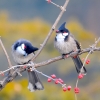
(24,47)
(62,30)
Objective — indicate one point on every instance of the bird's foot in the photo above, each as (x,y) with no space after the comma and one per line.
(29,69)
(64,56)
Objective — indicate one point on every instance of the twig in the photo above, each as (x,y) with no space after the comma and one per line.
(33,68)
(51,30)
(91,50)
(8,59)
(56,5)
(75,96)
(9,62)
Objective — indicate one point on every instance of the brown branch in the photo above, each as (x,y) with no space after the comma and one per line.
(43,63)
(10,78)
(8,59)
(60,57)
(52,29)
(10,65)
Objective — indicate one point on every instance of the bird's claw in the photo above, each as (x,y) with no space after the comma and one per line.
(64,56)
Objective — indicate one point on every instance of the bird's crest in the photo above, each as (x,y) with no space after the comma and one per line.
(62,27)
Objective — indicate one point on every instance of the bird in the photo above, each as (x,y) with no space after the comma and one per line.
(65,43)
(22,52)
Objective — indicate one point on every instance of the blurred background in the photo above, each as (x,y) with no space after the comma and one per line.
(32,20)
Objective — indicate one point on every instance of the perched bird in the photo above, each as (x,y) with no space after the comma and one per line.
(23,52)
(65,43)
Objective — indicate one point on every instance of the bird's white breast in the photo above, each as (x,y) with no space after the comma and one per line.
(60,37)
(65,47)
(19,59)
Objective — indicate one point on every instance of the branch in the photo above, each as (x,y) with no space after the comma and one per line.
(60,57)
(51,30)
(91,51)
(8,59)
(21,68)
(49,61)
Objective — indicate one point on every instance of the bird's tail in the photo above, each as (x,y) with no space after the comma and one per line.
(78,64)
(34,81)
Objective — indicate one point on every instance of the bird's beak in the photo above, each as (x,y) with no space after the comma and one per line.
(57,31)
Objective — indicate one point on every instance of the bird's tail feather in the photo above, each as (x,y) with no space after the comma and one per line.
(34,81)
(78,64)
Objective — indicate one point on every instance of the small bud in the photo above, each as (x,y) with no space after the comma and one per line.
(49,80)
(87,61)
(80,76)
(56,81)
(60,80)
(76,90)
(69,88)
(53,76)
(64,89)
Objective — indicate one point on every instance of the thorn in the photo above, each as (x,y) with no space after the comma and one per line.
(19,73)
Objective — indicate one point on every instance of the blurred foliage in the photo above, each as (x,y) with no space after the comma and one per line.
(18,91)
(36,30)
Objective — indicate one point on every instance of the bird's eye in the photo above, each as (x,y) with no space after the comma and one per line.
(23,46)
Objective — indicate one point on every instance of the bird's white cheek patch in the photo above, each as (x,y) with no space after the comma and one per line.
(65,34)
(22,46)
(20,51)
(60,37)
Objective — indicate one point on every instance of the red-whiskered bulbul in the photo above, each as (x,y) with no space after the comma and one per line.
(23,52)
(65,43)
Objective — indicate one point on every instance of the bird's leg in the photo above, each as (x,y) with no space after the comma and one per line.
(29,69)
(64,56)
(75,55)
